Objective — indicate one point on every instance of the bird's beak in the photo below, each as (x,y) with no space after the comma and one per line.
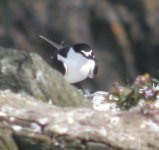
(94,59)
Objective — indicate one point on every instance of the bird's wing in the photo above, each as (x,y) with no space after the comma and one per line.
(51,42)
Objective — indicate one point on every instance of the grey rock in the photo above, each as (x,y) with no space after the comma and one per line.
(32,124)
(21,71)
(6,142)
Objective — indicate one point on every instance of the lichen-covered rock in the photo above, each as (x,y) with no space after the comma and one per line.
(37,125)
(6,139)
(21,71)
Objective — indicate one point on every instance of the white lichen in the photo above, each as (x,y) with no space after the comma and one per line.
(11,119)
(7,109)
(70,120)
(35,128)
(3,69)
(114,120)
(103,131)
(17,128)
(50,101)
(60,129)
(43,121)
(150,125)
(155,104)
(102,101)
(2,114)
(39,76)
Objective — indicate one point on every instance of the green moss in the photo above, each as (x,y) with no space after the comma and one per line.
(28,142)
(25,142)
(6,140)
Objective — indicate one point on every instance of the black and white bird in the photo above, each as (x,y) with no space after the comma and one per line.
(76,62)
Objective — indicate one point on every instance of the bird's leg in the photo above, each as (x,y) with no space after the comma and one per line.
(81,87)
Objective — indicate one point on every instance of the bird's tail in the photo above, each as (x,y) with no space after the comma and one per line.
(51,42)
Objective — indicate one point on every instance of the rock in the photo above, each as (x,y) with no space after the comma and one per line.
(26,123)
(21,71)
(7,141)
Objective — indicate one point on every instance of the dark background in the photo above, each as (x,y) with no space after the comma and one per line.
(123,33)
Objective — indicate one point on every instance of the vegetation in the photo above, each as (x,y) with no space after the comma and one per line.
(143,92)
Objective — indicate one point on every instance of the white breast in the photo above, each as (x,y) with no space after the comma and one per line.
(78,67)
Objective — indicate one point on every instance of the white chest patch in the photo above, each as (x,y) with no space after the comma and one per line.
(78,67)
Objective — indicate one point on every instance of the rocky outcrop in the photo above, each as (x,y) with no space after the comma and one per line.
(21,71)
(29,124)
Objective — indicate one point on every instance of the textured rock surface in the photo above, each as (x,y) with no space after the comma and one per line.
(27,72)
(30,124)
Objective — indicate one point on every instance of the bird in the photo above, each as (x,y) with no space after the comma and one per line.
(75,62)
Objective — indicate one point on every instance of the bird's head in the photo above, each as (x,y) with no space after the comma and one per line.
(85,50)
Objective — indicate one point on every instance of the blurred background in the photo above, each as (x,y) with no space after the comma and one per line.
(124,34)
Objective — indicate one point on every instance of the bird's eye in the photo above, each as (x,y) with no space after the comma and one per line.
(92,54)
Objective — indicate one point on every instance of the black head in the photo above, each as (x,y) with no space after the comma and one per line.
(84,49)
